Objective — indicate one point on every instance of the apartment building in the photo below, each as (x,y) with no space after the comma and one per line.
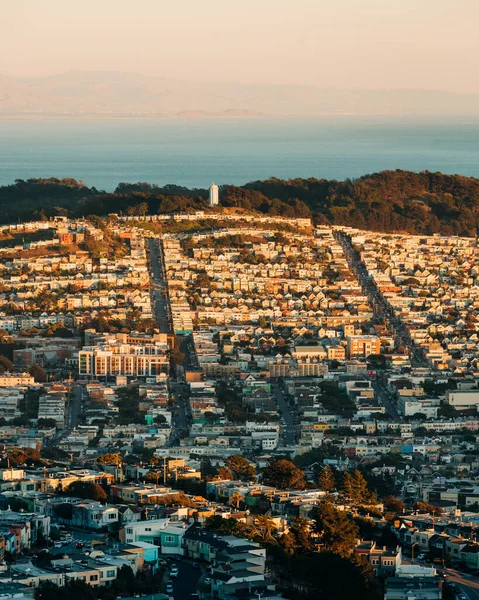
(363,345)
(110,360)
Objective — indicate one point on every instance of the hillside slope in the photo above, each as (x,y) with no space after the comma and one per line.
(401,201)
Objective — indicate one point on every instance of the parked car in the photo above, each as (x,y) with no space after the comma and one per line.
(169,587)
(174,571)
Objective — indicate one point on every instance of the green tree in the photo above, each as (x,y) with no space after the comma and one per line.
(355,488)
(331,576)
(240,468)
(5,364)
(224,473)
(265,527)
(300,529)
(338,533)
(283,474)
(236,499)
(110,458)
(262,322)
(176,356)
(394,505)
(38,373)
(87,489)
(326,479)
(21,456)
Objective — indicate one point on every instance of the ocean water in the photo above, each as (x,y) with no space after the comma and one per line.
(196,152)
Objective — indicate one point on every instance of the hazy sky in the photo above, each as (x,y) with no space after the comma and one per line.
(430,44)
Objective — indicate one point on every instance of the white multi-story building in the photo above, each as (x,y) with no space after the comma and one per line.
(52,406)
(109,360)
(214,195)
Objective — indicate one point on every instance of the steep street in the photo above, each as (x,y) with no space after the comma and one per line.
(159,289)
(75,406)
(287,413)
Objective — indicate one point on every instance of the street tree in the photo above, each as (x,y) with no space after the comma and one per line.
(236,499)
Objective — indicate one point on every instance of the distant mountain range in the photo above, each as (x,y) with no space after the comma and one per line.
(107,94)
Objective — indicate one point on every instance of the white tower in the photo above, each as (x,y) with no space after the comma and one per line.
(214,197)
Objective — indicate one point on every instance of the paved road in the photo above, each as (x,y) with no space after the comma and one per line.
(181,413)
(386,399)
(75,406)
(159,286)
(381,307)
(186,582)
(289,427)
(81,536)
(468,584)
(188,348)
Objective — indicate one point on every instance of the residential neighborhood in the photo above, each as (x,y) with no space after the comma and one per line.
(220,405)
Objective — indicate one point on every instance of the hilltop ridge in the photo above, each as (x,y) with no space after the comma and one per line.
(392,201)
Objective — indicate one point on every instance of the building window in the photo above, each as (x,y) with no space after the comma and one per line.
(110,573)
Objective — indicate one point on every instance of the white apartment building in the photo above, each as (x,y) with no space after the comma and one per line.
(109,360)
(52,406)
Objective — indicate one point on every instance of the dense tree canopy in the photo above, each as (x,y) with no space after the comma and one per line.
(283,474)
(240,468)
(338,533)
(87,490)
(110,458)
(421,203)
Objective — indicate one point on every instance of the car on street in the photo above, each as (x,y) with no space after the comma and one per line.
(169,587)
(174,571)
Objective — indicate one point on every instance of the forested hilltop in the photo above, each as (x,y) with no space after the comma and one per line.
(390,201)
